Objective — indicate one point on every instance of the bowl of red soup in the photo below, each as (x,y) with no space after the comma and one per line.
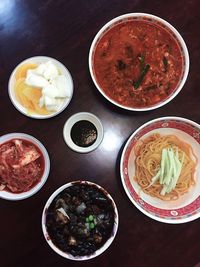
(138,61)
(80,220)
(24,166)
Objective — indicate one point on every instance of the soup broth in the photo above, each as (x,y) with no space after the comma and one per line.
(138,63)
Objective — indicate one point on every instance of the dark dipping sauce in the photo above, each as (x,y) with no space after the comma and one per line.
(84,133)
(89,222)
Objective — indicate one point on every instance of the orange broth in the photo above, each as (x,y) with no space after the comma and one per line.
(138,63)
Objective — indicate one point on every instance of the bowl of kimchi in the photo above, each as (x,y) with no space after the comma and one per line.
(138,61)
(24,166)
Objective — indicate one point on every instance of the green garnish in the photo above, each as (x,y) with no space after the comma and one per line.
(90,222)
(170,170)
(92,225)
(141,78)
(91,218)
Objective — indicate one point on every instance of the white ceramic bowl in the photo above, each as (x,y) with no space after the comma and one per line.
(187,207)
(68,255)
(80,117)
(146,17)
(19,196)
(38,60)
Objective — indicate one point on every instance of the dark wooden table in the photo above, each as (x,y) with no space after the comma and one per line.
(64,30)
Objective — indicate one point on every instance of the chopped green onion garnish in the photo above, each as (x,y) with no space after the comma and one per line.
(142,75)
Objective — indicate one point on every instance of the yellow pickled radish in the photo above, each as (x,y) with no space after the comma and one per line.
(26,95)
(22,70)
(29,97)
(19,87)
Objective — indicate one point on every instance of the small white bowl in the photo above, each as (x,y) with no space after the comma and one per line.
(144,17)
(80,117)
(66,254)
(19,196)
(38,60)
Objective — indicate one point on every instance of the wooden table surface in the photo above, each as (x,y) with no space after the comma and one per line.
(64,30)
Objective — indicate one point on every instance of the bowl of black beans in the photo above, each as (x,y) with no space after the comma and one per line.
(80,220)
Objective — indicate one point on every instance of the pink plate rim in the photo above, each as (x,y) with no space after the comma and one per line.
(179,215)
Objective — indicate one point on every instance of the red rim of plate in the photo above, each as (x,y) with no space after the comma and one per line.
(179,215)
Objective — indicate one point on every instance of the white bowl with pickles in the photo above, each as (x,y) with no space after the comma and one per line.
(40,87)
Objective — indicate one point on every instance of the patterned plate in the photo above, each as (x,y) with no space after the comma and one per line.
(187,207)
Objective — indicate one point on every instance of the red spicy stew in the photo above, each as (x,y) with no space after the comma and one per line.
(21,166)
(138,63)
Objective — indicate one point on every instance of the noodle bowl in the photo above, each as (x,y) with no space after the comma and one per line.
(148,162)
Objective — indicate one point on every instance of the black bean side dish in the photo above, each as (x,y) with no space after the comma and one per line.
(80,219)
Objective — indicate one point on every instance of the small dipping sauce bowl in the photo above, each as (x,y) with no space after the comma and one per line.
(83,132)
